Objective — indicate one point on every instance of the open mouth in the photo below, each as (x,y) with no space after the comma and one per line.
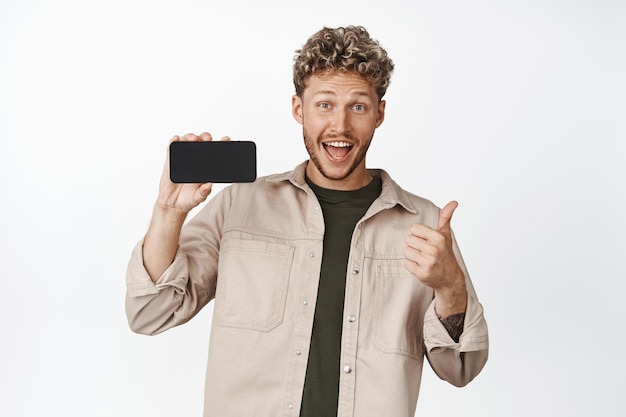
(337,150)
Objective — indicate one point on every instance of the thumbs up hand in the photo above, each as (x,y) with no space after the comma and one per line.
(429,256)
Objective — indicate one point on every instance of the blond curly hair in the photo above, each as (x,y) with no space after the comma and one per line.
(349,49)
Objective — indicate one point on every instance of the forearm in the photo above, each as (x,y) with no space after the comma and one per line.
(452,299)
(450,306)
(161,240)
(454,324)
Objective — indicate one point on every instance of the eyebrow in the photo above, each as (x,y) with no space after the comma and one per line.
(332,93)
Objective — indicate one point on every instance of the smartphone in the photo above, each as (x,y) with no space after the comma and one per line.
(212,161)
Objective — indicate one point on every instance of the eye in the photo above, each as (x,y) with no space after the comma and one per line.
(359,107)
(324,105)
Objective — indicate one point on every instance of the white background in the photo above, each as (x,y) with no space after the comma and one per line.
(515,108)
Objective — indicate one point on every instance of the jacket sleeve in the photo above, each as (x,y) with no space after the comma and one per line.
(458,363)
(186,286)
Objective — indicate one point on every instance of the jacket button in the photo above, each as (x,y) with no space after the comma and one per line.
(347,369)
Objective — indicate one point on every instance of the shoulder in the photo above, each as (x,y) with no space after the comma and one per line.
(289,180)
(269,189)
(392,193)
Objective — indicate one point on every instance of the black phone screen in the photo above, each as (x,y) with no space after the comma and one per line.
(212,161)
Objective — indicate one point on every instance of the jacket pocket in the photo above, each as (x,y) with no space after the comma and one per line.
(400,301)
(253,278)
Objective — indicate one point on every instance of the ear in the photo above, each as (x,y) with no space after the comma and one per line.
(296,108)
(381,113)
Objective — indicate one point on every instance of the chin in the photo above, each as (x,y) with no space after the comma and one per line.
(336,174)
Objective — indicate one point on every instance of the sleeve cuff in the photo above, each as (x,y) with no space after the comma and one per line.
(473,338)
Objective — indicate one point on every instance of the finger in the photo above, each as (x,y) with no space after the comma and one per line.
(411,254)
(411,266)
(225,139)
(206,137)
(190,137)
(417,243)
(423,232)
(166,170)
(445,215)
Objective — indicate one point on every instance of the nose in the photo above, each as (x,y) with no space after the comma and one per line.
(341,121)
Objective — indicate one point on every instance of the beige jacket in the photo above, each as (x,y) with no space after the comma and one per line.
(256,249)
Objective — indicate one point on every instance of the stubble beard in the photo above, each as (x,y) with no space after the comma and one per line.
(311,147)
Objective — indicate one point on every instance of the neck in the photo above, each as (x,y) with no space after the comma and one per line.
(357,179)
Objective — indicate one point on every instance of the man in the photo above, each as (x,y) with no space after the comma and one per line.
(331,283)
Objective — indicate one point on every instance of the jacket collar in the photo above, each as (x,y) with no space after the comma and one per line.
(391,195)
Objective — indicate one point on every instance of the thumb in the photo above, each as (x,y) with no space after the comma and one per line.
(445,215)
(204,190)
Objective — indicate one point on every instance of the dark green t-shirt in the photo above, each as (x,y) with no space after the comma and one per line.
(342,210)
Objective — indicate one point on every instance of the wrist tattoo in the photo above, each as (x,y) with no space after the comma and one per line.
(454,325)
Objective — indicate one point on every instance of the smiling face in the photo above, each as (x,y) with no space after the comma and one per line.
(339,113)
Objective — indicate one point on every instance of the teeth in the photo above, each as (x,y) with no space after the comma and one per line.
(338,144)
